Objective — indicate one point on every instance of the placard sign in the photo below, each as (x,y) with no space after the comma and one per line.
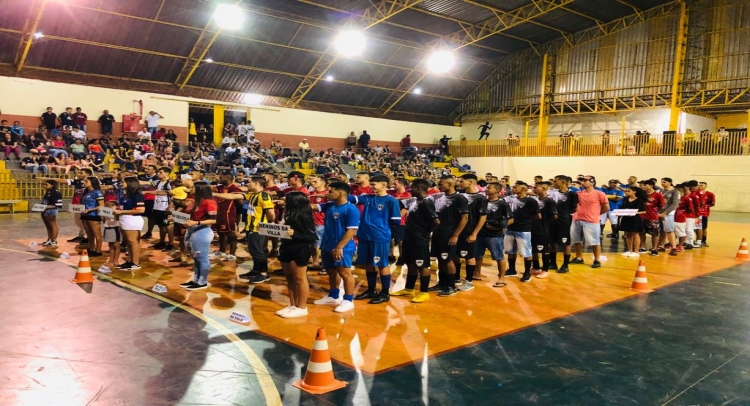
(107,212)
(39,208)
(159,288)
(274,230)
(625,212)
(76,208)
(180,218)
(240,318)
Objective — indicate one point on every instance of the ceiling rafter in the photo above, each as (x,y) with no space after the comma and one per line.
(30,26)
(371,16)
(470,34)
(556,46)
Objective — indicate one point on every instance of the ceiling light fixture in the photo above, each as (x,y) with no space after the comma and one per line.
(229,16)
(329,78)
(209,60)
(417,91)
(350,43)
(38,35)
(252,98)
(441,61)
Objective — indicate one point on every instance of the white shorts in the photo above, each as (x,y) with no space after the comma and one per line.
(667,223)
(679,230)
(131,223)
(608,215)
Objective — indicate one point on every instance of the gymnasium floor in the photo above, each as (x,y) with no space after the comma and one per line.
(581,338)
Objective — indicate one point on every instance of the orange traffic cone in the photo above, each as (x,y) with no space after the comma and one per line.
(640,281)
(742,251)
(319,375)
(83,274)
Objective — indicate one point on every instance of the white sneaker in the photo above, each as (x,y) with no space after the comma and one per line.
(229,257)
(216,255)
(697,244)
(634,255)
(294,312)
(344,307)
(329,301)
(626,254)
(284,310)
(47,243)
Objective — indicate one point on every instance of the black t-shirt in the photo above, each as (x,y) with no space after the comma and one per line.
(567,204)
(52,197)
(106,119)
(498,214)
(477,209)
(419,220)
(65,118)
(449,209)
(548,209)
(49,120)
(524,211)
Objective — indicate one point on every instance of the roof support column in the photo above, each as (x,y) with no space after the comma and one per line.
(27,37)
(548,77)
(679,67)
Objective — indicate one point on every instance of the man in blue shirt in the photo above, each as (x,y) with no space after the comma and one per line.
(337,246)
(615,196)
(380,212)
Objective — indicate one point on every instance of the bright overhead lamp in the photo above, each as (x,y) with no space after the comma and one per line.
(417,91)
(38,35)
(209,60)
(441,61)
(329,78)
(252,98)
(229,16)
(350,43)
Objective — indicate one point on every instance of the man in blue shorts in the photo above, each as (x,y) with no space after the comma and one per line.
(490,237)
(518,236)
(337,247)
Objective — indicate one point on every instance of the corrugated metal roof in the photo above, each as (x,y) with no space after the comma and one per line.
(361,72)
(8,43)
(457,9)
(426,22)
(339,93)
(241,52)
(565,21)
(242,80)
(13,13)
(506,5)
(193,13)
(418,103)
(442,86)
(103,61)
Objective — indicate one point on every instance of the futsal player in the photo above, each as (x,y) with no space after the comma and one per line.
(477,215)
(453,212)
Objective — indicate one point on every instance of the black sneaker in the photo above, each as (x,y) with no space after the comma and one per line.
(526,277)
(435,288)
(246,277)
(366,295)
(75,239)
(642,250)
(563,269)
(186,284)
(596,264)
(260,278)
(688,246)
(95,254)
(135,266)
(125,265)
(552,267)
(576,261)
(400,262)
(381,298)
(511,274)
(654,253)
(196,286)
(168,247)
(449,291)
(84,240)
(159,246)
(146,236)
(705,244)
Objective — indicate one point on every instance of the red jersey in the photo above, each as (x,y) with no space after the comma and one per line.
(357,190)
(697,202)
(685,209)
(319,197)
(227,205)
(654,202)
(208,207)
(432,191)
(709,200)
(403,195)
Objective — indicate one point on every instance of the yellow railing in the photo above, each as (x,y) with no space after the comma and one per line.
(630,145)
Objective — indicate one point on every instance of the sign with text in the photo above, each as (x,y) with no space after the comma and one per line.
(240,318)
(159,288)
(107,212)
(180,218)
(76,208)
(274,230)
(39,208)
(625,212)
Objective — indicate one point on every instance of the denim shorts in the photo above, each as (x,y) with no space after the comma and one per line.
(667,223)
(49,212)
(518,242)
(494,244)
(584,232)
(319,232)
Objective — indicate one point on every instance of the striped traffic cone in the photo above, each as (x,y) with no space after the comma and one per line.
(319,375)
(640,281)
(83,274)
(742,251)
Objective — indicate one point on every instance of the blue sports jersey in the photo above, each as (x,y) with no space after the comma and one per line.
(91,201)
(338,220)
(614,205)
(377,215)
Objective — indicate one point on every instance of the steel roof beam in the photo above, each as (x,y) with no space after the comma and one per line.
(30,27)
(471,33)
(379,12)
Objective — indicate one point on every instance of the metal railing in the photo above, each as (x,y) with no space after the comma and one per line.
(734,143)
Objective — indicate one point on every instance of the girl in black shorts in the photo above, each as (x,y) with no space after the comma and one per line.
(296,252)
(635,198)
(93,200)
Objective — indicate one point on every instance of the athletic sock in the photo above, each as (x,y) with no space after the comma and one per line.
(372,280)
(470,272)
(535,262)
(349,297)
(545,262)
(566,259)
(334,293)
(411,281)
(451,280)
(553,259)
(511,263)
(385,282)
(443,279)
(526,266)
(424,283)
(457,263)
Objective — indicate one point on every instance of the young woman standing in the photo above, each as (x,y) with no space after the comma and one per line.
(199,234)
(296,252)
(53,200)
(130,213)
(93,200)
(635,198)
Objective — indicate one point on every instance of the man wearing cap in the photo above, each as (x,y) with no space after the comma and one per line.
(614,196)
(585,229)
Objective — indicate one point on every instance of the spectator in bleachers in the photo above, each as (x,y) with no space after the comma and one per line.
(34,163)
(77,149)
(49,119)
(80,119)
(107,121)
(9,143)
(66,117)
(152,121)
(16,129)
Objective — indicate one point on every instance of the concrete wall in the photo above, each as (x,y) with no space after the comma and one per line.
(726,175)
